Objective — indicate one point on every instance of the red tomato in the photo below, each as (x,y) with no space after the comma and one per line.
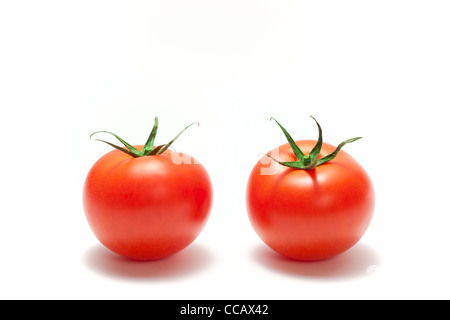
(309,214)
(147,207)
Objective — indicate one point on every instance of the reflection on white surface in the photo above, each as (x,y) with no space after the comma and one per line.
(359,261)
(190,260)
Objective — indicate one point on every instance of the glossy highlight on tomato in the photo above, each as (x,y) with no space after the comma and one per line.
(309,214)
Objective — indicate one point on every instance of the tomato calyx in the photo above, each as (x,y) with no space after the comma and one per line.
(311,160)
(149,148)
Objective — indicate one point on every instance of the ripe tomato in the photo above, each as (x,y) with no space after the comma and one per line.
(147,207)
(309,214)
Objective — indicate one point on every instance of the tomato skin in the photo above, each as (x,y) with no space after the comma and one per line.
(147,208)
(310,214)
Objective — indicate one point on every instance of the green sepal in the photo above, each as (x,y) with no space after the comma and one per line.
(131,150)
(156,150)
(164,148)
(120,148)
(313,156)
(334,154)
(148,147)
(298,153)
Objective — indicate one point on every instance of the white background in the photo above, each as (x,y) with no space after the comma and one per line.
(376,69)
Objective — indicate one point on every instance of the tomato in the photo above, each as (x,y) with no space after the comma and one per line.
(147,207)
(309,214)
